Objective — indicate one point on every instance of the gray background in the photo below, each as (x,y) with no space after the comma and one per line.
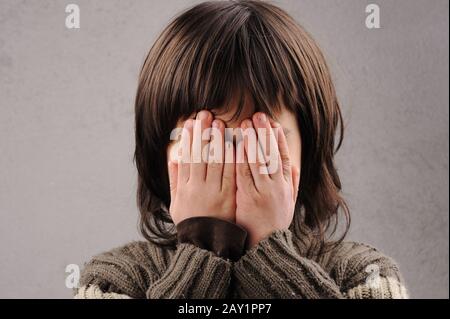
(67,180)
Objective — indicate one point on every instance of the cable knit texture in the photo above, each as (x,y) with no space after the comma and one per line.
(281,266)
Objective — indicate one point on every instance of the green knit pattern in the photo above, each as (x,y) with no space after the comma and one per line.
(281,266)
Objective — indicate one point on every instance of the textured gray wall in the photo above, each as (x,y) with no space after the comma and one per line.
(67,180)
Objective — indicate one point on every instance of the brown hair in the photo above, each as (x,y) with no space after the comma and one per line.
(206,56)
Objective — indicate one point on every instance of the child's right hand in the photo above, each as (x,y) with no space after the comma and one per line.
(202,188)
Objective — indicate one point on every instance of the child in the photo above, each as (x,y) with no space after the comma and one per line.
(229,228)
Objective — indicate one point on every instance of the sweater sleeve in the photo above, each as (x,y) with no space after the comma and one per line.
(199,267)
(274,269)
(193,273)
(94,292)
(141,270)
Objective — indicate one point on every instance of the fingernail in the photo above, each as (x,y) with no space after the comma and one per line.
(203,115)
(215,124)
(262,118)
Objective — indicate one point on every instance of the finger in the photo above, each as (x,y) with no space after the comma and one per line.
(244,178)
(199,143)
(216,154)
(283,152)
(185,148)
(229,166)
(252,152)
(268,144)
(173,179)
(295,182)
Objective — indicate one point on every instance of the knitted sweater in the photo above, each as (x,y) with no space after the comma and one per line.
(281,266)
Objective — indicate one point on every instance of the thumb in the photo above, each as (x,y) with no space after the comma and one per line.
(173,178)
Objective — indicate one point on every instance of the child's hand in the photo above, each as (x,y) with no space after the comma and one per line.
(198,186)
(265,202)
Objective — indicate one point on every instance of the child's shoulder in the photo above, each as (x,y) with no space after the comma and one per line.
(132,250)
(360,255)
(352,262)
(127,269)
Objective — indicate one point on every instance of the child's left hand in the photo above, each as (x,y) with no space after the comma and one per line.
(265,202)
